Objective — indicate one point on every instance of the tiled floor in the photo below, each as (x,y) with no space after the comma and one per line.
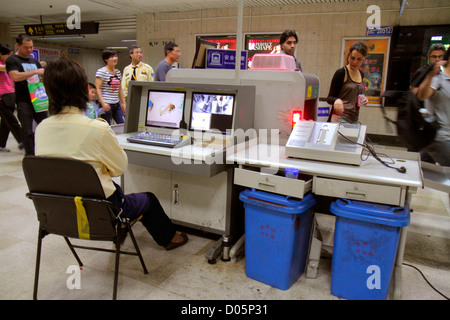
(181,274)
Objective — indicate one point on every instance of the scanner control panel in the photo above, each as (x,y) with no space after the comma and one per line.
(325,141)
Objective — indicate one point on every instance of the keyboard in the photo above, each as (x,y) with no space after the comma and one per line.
(159,139)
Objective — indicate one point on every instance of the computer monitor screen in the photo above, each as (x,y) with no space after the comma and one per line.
(165,108)
(212,111)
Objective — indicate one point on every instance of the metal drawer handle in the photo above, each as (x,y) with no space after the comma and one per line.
(176,195)
(355,195)
(267,184)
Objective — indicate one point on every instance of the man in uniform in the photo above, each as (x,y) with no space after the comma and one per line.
(136,70)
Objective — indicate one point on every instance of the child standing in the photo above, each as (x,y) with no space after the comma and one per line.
(93,110)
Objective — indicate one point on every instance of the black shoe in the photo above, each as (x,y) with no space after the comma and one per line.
(173,245)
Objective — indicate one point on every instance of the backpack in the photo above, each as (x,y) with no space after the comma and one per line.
(412,129)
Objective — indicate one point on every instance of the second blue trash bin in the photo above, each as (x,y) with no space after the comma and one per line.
(277,234)
(365,246)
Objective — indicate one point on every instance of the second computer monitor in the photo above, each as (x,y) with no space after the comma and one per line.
(212,112)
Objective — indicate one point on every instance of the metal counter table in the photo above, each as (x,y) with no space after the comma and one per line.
(193,184)
(371,181)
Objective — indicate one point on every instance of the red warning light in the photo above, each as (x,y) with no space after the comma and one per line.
(296,117)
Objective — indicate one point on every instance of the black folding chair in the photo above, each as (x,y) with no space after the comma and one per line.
(70,202)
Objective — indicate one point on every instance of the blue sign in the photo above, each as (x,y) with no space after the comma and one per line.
(379,31)
(323,111)
(35,54)
(224,59)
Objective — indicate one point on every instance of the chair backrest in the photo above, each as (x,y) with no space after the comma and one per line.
(54,183)
(63,176)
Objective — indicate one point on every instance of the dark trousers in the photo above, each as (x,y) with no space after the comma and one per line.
(9,121)
(26,114)
(153,218)
(115,112)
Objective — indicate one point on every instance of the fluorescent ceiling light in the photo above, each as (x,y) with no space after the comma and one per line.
(129,40)
(116,47)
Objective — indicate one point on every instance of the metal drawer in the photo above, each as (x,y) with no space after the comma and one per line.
(359,191)
(272,183)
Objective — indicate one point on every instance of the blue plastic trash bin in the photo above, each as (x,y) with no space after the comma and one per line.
(365,246)
(277,234)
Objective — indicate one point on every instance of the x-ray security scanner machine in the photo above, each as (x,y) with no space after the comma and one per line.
(193,182)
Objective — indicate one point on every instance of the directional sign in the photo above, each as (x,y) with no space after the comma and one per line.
(60,29)
(224,59)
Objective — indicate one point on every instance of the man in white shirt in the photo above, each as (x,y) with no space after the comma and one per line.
(136,70)
(435,91)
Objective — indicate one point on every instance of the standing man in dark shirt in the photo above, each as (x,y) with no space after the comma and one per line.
(20,67)
(173,54)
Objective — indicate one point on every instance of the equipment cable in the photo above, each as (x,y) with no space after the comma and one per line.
(371,150)
(410,265)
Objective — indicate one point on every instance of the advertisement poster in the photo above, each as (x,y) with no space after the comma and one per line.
(49,54)
(253,43)
(374,66)
(223,42)
(261,43)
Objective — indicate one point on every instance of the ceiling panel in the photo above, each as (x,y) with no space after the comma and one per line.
(107,12)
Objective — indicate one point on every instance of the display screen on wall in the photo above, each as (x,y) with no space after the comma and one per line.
(374,66)
(445,40)
(223,42)
(253,43)
(261,43)
(204,41)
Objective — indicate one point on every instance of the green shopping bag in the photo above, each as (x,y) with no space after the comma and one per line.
(38,96)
